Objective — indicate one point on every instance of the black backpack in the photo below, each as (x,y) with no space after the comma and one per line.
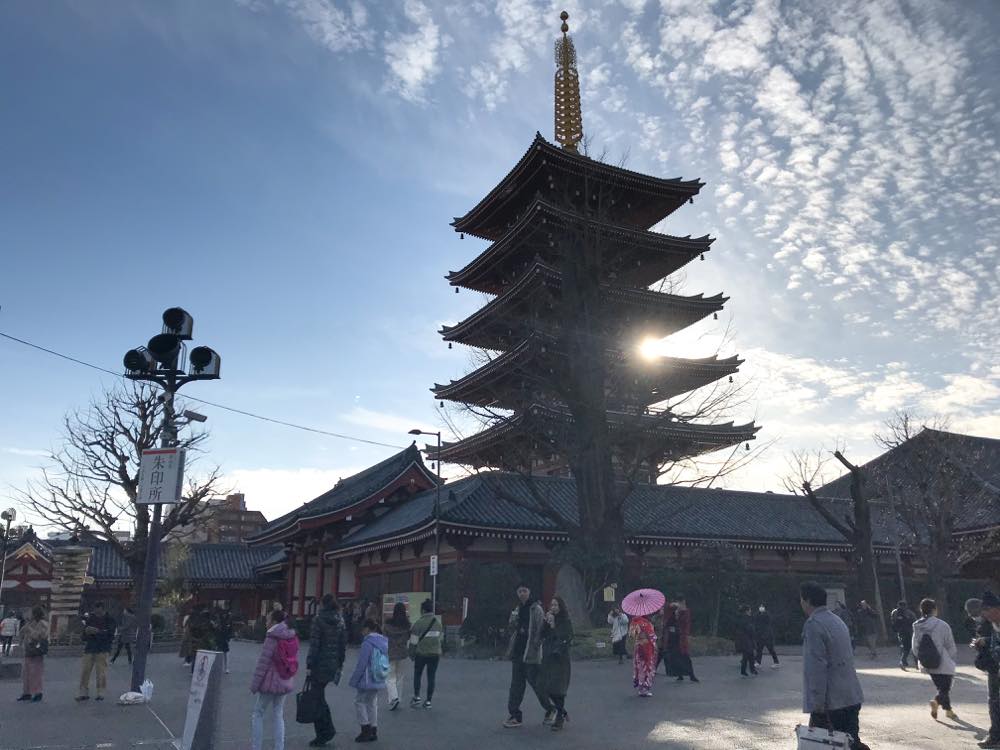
(927,653)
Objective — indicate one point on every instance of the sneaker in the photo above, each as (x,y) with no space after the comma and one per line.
(550,716)
(81,698)
(99,698)
(512,722)
(394,704)
(427,703)
(776,666)
(951,715)
(25,697)
(990,742)
(415,701)
(934,708)
(694,679)
(37,698)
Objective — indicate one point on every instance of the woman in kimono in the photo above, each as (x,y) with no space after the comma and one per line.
(644,655)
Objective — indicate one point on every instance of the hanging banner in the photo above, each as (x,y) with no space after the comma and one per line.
(161,476)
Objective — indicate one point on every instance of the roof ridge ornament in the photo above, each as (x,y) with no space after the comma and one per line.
(568,113)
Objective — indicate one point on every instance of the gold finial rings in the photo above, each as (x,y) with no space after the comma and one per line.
(565,26)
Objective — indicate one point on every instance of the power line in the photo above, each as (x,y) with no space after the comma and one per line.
(232,409)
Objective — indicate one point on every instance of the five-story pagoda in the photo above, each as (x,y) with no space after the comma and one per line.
(570,272)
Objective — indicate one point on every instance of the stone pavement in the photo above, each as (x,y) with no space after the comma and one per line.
(723,712)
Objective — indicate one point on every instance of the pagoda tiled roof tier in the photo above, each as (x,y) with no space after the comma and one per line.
(526,307)
(506,382)
(518,436)
(636,257)
(640,200)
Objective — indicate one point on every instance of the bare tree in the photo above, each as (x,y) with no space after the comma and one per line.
(806,469)
(92,480)
(932,479)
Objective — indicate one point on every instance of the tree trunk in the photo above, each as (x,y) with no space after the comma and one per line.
(571,586)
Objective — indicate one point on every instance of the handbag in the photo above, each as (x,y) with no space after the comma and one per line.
(817,738)
(308,704)
(38,647)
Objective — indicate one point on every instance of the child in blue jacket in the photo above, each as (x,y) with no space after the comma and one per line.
(367,682)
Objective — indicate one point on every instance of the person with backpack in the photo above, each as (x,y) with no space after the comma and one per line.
(369,677)
(901,621)
(934,645)
(272,680)
(425,646)
(327,649)
(397,631)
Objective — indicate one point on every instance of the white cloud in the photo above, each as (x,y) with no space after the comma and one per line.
(413,58)
(384,421)
(341,27)
(275,492)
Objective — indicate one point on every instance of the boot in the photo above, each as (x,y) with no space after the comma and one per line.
(368,734)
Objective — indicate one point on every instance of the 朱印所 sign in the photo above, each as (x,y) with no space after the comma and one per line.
(161,476)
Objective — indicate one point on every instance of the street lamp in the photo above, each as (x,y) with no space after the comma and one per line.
(162,361)
(437,516)
(8,515)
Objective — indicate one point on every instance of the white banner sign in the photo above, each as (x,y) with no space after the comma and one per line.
(434,565)
(203,663)
(161,476)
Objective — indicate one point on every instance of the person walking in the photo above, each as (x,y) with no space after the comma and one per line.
(98,635)
(128,630)
(678,644)
(223,635)
(201,630)
(618,621)
(273,680)
(554,675)
(901,621)
(987,645)
(867,622)
(368,678)
(643,655)
(525,653)
(831,694)
(763,632)
(9,626)
(426,635)
(397,632)
(34,640)
(744,641)
(841,611)
(935,649)
(327,650)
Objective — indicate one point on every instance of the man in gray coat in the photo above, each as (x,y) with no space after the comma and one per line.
(831,691)
(525,654)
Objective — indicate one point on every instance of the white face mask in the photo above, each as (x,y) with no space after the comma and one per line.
(761,609)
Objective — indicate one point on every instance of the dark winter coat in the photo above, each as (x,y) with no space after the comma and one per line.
(867,621)
(99,641)
(988,655)
(398,637)
(762,627)
(327,645)
(902,621)
(555,670)
(202,631)
(743,635)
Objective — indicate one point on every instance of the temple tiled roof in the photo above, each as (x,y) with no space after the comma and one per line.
(645,200)
(980,455)
(206,563)
(656,313)
(640,257)
(501,502)
(350,491)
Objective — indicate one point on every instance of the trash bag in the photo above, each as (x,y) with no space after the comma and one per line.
(131,699)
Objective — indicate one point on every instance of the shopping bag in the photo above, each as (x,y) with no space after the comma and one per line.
(146,688)
(817,738)
(307,704)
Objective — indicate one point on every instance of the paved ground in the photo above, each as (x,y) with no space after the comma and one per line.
(724,712)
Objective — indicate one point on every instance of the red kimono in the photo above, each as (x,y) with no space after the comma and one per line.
(644,656)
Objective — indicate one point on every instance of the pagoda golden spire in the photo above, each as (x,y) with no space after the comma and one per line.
(569,116)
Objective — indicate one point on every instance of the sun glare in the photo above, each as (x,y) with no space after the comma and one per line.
(649,349)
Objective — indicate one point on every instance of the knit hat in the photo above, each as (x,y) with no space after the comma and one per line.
(990,600)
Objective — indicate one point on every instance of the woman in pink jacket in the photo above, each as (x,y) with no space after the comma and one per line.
(268,684)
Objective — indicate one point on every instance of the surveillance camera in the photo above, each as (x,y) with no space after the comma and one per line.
(195,416)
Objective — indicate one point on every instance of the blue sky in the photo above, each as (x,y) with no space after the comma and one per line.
(286,170)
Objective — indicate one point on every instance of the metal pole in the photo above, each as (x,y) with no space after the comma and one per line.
(168,437)
(437,533)
(3,562)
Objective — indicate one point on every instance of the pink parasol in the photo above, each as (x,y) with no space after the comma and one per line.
(643,602)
